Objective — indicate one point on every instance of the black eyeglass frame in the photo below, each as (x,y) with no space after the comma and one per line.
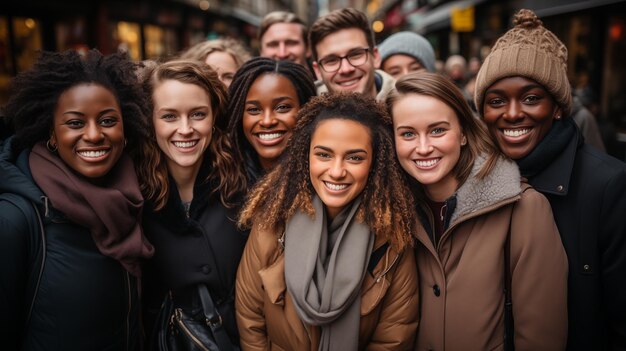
(352,52)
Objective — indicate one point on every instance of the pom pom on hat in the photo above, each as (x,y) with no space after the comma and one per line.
(410,44)
(528,50)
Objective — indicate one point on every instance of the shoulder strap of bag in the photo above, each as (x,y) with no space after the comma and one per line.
(509,330)
(509,325)
(30,209)
(213,319)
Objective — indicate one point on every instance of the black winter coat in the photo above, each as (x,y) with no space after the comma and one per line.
(587,191)
(203,248)
(84,300)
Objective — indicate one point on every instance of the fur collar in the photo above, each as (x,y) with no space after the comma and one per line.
(502,183)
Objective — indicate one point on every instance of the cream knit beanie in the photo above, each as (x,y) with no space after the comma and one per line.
(529,50)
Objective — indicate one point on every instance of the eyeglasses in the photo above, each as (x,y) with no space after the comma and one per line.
(356,57)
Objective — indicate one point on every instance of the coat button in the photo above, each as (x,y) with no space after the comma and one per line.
(436,290)
(206,269)
(559,188)
(587,268)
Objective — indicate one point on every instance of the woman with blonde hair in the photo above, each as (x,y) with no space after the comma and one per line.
(223,55)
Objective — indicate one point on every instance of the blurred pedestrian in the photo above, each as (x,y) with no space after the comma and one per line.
(192,181)
(406,52)
(526,104)
(265,98)
(456,69)
(345,57)
(328,265)
(71,243)
(225,56)
(283,36)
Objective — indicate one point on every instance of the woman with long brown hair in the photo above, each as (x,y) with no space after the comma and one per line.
(192,181)
(487,236)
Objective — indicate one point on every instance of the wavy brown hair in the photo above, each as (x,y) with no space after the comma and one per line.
(441,88)
(386,206)
(224,166)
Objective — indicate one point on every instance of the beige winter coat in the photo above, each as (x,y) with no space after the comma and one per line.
(462,279)
(267,318)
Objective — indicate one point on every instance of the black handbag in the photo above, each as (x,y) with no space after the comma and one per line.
(178,331)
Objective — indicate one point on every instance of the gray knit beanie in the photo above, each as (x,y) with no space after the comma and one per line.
(411,44)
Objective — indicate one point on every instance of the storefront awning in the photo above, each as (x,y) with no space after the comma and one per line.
(423,21)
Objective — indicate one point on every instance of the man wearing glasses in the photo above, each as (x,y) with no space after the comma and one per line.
(345,58)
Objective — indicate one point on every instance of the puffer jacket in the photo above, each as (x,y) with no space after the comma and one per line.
(84,300)
(266,314)
(462,277)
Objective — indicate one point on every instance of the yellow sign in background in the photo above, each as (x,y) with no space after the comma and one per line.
(462,19)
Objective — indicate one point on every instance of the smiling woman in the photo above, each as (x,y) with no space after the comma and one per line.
(192,180)
(333,241)
(266,96)
(87,130)
(483,226)
(75,119)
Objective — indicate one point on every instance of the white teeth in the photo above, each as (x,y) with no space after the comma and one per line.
(426,163)
(270,136)
(515,132)
(92,154)
(348,82)
(185,144)
(332,186)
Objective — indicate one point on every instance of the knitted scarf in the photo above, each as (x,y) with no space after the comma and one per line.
(111,212)
(548,149)
(324,269)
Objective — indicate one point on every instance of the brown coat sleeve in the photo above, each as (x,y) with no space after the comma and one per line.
(539,276)
(397,324)
(249,297)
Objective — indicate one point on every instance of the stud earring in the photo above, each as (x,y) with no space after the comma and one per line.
(558,117)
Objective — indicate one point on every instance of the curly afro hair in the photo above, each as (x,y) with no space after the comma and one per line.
(35,93)
(387,206)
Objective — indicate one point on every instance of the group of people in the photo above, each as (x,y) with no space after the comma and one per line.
(361,211)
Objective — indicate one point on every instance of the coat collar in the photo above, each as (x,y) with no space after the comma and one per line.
(555,178)
(501,184)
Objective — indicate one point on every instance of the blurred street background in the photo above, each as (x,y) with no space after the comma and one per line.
(594,32)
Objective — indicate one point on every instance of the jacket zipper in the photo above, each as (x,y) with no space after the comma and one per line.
(43,254)
(182,326)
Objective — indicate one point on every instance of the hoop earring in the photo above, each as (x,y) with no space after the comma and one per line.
(125,142)
(50,147)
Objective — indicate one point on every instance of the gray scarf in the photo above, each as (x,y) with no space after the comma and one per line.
(324,270)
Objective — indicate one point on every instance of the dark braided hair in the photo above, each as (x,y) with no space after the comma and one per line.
(35,93)
(387,206)
(299,76)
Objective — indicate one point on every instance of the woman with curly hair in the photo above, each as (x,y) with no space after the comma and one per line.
(192,181)
(328,265)
(71,243)
(487,236)
(265,97)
